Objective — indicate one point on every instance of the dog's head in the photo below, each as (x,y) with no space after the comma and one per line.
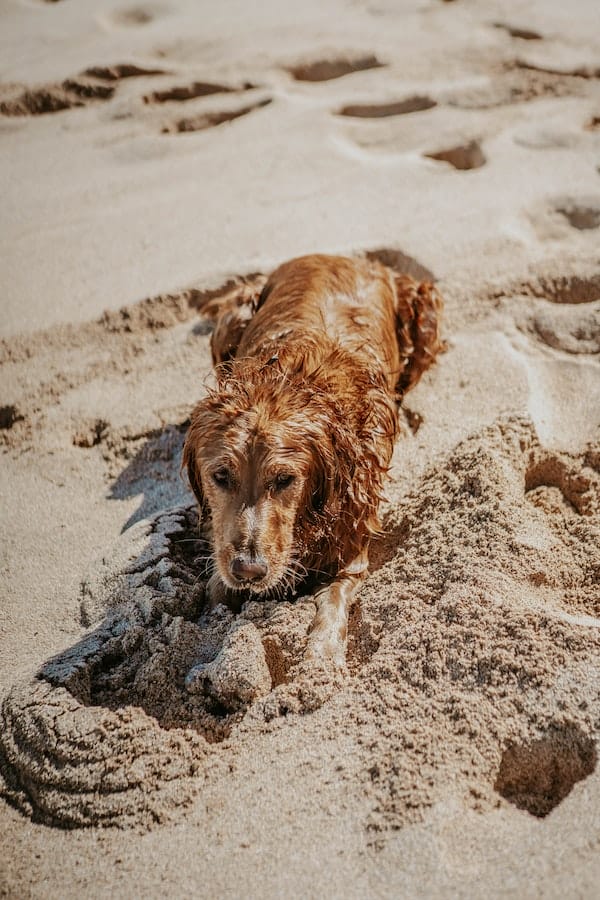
(292,487)
(254,462)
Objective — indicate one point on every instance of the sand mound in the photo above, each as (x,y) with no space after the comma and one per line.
(487,599)
(473,661)
(115,729)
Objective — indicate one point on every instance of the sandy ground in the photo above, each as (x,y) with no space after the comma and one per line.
(151,152)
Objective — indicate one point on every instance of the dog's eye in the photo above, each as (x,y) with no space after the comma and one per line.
(222,478)
(283,480)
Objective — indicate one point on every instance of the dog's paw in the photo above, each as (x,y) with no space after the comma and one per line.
(326,655)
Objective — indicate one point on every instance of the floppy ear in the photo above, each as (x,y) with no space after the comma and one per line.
(189,462)
(346,488)
(418,325)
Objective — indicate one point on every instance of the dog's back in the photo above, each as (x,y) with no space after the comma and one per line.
(388,322)
(349,302)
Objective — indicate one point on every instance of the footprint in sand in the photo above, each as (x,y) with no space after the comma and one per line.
(337,67)
(523,34)
(517,84)
(572,330)
(97,83)
(547,137)
(564,491)
(212,119)
(400,262)
(51,98)
(582,214)
(384,110)
(586,71)
(462,157)
(565,315)
(181,93)
(562,217)
(556,338)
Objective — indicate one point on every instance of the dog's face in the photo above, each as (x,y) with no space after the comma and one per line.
(255,477)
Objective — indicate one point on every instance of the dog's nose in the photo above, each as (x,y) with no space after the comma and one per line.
(244,569)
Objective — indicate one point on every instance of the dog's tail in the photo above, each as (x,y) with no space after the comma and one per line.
(418,326)
(231,307)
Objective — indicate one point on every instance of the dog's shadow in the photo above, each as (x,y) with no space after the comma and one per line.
(154,473)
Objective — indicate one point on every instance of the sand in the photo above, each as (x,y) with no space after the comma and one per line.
(151,155)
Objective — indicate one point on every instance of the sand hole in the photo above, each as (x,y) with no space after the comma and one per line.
(537,776)
(185,92)
(383,110)
(549,474)
(463,157)
(328,69)
(525,34)
(276,662)
(9,414)
(211,120)
(583,216)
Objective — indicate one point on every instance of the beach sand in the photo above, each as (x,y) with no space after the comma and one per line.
(151,154)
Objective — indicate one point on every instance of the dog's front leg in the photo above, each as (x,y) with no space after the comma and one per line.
(328,636)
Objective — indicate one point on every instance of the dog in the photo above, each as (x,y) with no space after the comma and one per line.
(288,455)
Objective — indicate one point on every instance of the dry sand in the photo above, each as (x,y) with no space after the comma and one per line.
(150,153)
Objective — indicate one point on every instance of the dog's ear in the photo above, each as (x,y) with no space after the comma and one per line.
(347,481)
(321,486)
(418,325)
(190,463)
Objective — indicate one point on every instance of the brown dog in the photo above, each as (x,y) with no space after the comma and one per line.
(289,454)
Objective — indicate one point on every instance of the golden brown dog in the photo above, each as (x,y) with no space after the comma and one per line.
(289,454)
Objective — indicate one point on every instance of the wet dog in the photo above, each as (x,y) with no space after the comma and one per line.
(289,454)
